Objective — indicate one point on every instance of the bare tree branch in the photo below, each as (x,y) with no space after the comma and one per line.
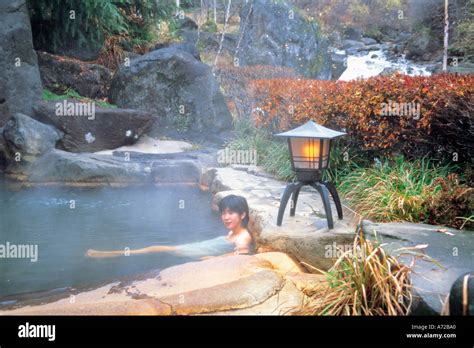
(226,21)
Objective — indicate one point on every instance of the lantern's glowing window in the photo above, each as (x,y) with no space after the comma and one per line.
(307,153)
(311,151)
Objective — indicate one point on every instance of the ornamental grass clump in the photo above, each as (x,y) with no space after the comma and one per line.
(395,190)
(364,281)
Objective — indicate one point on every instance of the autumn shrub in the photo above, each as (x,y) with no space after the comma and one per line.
(379,114)
(452,205)
(404,184)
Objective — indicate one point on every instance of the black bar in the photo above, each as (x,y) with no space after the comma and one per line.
(224,331)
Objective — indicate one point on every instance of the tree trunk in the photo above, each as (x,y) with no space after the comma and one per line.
(446,31)
(242,32)
(215,11)
(226,20)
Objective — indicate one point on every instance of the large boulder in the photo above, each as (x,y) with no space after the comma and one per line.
(423,45)
(28,137)
(348,44)
(20,83)
(263,284)
(212,41)
(173,85)
(352,33)
(338,64)
(3,152)
(183,46)
(96,169)
(58,74)
(101,129)
(186,23)
(66,167)
(452,249)
(187,29)
(274,33)
(368,41)
(87,51)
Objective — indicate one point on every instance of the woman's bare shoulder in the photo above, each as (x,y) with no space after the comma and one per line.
(244,238)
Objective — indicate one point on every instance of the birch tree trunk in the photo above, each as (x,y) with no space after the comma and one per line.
(214,5)
(446,31)
(242,32)
(226,21)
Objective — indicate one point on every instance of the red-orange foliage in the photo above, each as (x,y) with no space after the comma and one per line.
(446,115)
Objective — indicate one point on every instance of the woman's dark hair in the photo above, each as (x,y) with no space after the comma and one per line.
(236,204)
(461,296)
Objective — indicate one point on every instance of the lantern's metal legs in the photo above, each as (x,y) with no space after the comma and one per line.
(324,188)
(294,198)
(332,189)
(284,201)
(323,191)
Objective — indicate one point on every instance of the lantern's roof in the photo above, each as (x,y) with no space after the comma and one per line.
(311,130)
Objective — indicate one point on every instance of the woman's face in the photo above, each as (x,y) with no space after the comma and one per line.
(231,219)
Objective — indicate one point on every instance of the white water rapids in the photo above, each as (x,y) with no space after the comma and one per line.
(374,62)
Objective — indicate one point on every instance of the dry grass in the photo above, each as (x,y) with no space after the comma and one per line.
(364,281)
(112,54)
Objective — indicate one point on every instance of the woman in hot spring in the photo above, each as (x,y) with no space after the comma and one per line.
(235,216)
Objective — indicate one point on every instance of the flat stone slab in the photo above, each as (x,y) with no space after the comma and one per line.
(68,168)
(226,284)
(151,145)
(88,129)
(452,248)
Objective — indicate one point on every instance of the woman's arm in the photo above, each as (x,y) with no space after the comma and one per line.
(126,252)
(242,247)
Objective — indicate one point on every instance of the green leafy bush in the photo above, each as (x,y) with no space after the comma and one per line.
(55,22)
(209,26)
(463,42)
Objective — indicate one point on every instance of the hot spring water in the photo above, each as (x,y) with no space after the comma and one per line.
(64,222)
